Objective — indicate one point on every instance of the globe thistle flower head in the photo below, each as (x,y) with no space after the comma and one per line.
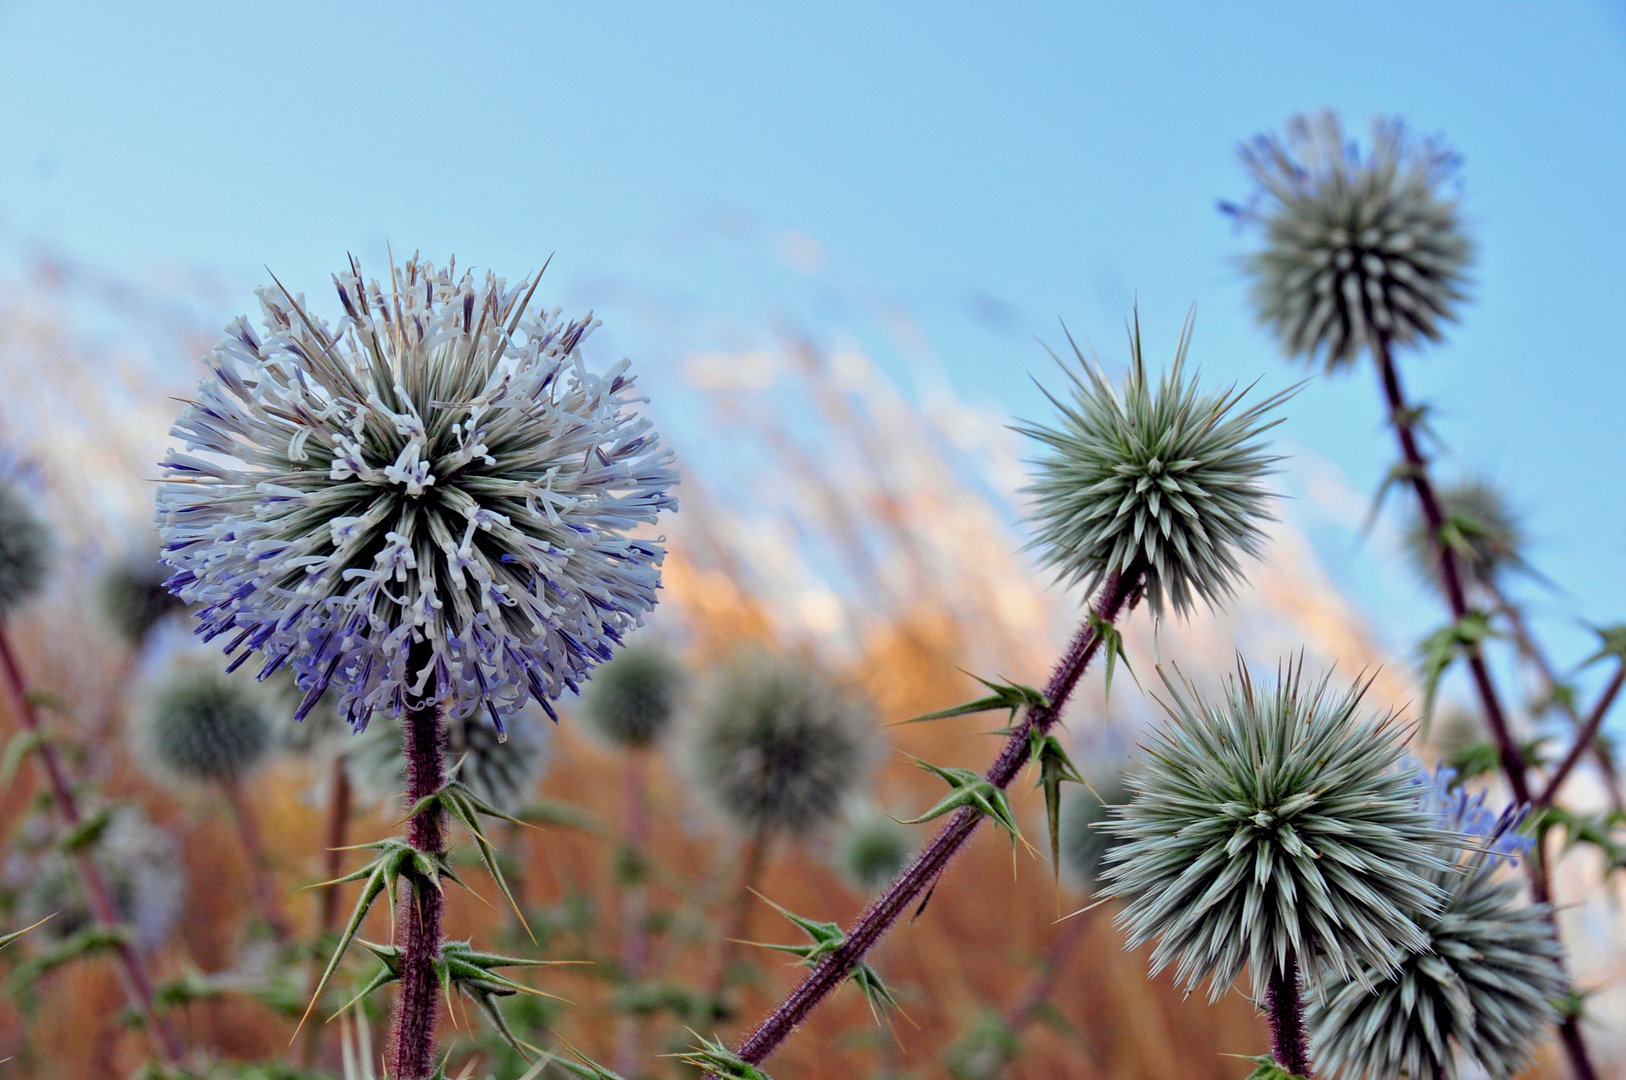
(201,724)
(134,599)
(632,699)
(439,467)
(503,772)
(1159,479)
(874,848)
(1356,248)
(25,549)
(1483,530)
(1484,988)
(777,744)
(1084,840)
(1274,820)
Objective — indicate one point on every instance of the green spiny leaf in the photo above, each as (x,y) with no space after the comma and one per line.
(1006,695)
(19,747)
(1113,642)
(718,1060)
(1443,647)
(87,832)
(1611,642)
(1054,767)
(973,791)
(87,942)
(7,939)
(1269,1070)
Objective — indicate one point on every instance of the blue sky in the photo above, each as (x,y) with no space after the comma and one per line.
(986,169)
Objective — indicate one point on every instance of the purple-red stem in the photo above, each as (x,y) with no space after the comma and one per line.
(1285,1010)
(137,981)
(1584,737)
(411,1051)
(327,911)
(1513,765)
(265,888)
(929,865)
(634,909)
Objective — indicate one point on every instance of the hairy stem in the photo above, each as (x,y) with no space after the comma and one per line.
(411,1050)
(634,910)
(1115,597)
(327,910)
(752,862)
(1404,420)
(138,986)
(1285,1010)
(265,889)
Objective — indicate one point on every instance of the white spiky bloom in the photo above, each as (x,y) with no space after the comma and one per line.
(439,474)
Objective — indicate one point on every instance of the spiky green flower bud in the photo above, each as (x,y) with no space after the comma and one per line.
(777,744)
(133,597)
(1480,527)
(503,774)
(1355,248)
(1084,840)
(25,549)
(1275,820)
(1160,479)
(632,699)
(1483,990)
(200,724)
(873,849)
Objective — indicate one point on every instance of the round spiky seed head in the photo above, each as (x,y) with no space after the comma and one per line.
(1484,988)
(777,745)
(1275,820)
(1161,480)
(632,699)
(201,724)
(134,599)
(25,549)
(1485,532)
(1356,249)
(502,773)
(438,468)
(874,849)
(1084,840)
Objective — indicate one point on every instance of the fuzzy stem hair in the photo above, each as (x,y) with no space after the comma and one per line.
(138,985)
(1118,594)
(1285,1009)
(1403,418)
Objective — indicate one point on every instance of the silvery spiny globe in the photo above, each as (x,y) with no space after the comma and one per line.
(25,549)
(1482,991)
(1160,479)
(439,468)
(201,724)
(1490,531)
(133,596)
(1355,249)
(873,849)
(1084,840)
(777,744)
(632,699)
(1274,820)
(504,773)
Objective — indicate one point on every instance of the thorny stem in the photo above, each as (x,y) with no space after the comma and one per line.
(411,1051)
(1402,419)
(327,911)
(1285,1010)
(137,981)
(1584,737)
(265,890)
(1118,593)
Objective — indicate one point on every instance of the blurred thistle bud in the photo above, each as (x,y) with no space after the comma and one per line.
(201,724)
(140,861)
(1160,479)
(1084,840)
(25,549)
(777,745)
(873,849)
(133,597)
(632,698)
(1274,821)
(503,773)
(1484,988)
(1480,527)
(1356,249)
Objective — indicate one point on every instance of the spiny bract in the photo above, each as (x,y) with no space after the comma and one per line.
(24,549)
(777,744)
(441,467)
(1356,249)
(202,724)
(632,699)
(133,596)
(502,773)
(1159,479)
(874,848)
(1277,820)
(1487,536)
(1484,987)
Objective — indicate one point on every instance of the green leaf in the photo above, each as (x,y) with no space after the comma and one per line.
(1006,695)
(1113,642)
(1443,647)
(1054,767)
(588,1069)
(973,791)
(1483,756)
(716,1059)
(19,747)
(826,938)
(1401,472)
(7,939)
(1268,1069)
(467,808)
(87,832)
(87,942)
(1611,642)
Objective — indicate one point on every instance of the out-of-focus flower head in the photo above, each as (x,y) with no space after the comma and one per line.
(1481,528)
(133,596)
(25,549)
(199,723)
(438,469)
(632,699)
(1160,477)
(1356,247)
(873,848)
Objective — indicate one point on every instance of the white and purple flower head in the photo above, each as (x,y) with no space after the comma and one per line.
(438,476)
(1496,835)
